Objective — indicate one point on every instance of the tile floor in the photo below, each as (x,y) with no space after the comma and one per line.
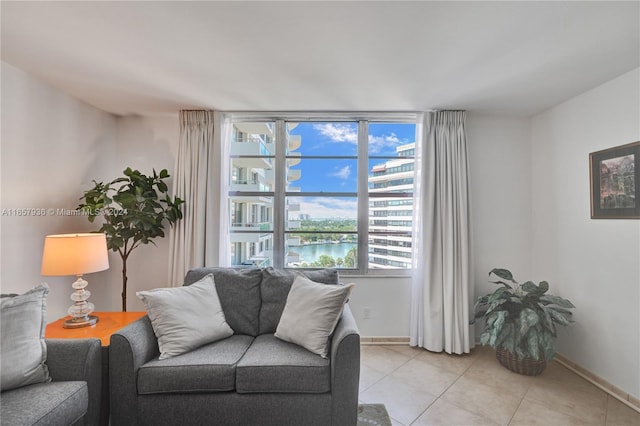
(419,387)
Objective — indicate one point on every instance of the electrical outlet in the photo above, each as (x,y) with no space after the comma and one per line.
(366,313)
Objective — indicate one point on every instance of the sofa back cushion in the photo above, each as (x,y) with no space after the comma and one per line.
(275,287)
(239,293)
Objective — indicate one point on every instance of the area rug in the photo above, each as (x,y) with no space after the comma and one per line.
(373,415)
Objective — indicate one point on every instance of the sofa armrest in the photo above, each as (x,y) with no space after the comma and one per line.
(345,370)
(130,348)
(78,360)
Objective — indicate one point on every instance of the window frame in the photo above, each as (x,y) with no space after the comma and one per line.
(362,119)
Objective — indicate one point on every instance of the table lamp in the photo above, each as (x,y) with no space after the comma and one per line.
(76,254)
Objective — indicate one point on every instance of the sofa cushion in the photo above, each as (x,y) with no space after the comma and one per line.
(23,350)
(239,292)
(272,365)
(185,318)
(275,287)
(55,403)
(210,368)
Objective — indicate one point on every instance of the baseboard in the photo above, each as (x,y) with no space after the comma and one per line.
(629,400)
(381,340)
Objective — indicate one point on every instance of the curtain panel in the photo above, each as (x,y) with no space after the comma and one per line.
(442,286)
(199,238)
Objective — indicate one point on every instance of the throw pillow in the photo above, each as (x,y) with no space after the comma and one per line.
(23,321)
(311,313)
(275,287)
(185,318)
(239,293)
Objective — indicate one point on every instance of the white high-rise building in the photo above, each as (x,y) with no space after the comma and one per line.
(391,214)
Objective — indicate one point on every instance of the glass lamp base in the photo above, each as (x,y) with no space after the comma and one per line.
(80,321)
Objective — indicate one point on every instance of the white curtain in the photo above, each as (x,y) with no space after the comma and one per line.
(201,180)
(442,286)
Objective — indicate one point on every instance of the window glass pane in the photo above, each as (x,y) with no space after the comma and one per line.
(391,172)
(252,152)
(251,249)
(323,175)
(322,214)
(322,231)
(251,213)
(313,250)
(391,139)
(323,139)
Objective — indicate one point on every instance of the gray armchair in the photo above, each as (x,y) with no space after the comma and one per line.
(71,398)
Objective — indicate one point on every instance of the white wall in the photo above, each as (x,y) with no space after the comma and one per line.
(593,263)
(500,175)
(52,147)
(145,143)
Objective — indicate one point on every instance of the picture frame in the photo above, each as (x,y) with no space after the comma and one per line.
(615,179)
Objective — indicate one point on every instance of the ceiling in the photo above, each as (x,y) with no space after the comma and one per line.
(151,58)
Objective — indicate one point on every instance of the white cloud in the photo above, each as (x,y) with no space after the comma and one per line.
(328,207)
(343,173)
(378,143)
(338,132)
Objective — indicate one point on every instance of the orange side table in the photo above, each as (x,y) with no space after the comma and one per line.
(108,323)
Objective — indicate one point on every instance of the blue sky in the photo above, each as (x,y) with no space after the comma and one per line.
(327,139)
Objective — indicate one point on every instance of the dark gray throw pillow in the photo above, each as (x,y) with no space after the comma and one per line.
(275,287)
(239,293)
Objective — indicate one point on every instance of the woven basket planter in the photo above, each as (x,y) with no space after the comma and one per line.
(527,366)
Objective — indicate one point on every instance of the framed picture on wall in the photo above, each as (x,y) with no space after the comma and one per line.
(615,178)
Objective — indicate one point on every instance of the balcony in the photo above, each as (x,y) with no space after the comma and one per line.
(293,161)
(294,142)
(258,128)
(293,175)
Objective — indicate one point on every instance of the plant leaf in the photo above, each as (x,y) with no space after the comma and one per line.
(505,274)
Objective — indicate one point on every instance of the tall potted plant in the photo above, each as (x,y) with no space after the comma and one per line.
(520,322)
(135,209)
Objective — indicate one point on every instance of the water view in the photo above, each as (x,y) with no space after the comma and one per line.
(311,252)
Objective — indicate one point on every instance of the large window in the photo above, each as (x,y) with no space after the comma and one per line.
(322,192)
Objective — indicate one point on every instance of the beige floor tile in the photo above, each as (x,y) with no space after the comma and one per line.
(618,414)
(381,358)
(403,402)
(482,400)
(442,413)
(410,351)
(424,376)
(531,413)
(586,404)
(491,373)
(368,377)
(457,364)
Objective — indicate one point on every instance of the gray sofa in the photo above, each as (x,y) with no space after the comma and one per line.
(73,395)
(251,378)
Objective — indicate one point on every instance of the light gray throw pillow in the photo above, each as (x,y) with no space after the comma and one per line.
(311,313)
(185,318)
(23,321)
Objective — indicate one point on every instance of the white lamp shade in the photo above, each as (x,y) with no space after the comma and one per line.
(74,254)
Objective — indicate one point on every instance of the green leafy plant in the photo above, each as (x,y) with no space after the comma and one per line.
(135,209)
(521,318)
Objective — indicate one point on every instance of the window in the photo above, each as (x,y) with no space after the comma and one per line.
(320,192)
